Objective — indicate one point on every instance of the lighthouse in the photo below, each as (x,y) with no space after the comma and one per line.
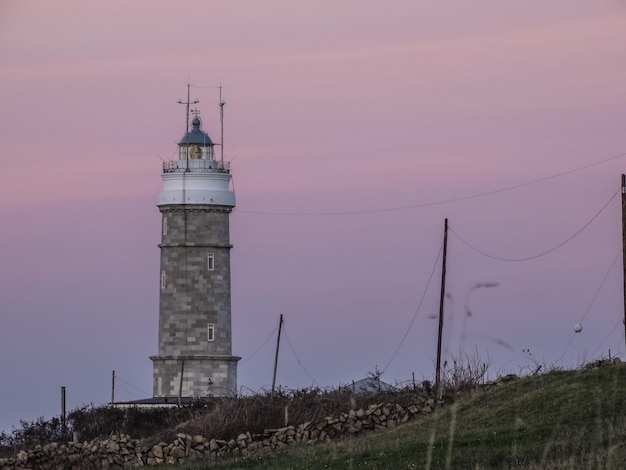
(194,357)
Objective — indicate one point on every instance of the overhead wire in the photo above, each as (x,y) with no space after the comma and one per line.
(260,347)
(591,303)
(600,286)
(206,87)
(539,255)
(419,306)
(606,337)
(120,379)
(442,201)
(297,358)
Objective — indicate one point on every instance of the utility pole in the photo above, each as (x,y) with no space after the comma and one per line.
(624,245)
(180,383)
(113,389)
(438,387)
(280,327)
(63,412)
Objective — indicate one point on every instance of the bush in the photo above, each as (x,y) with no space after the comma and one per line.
(464,373)
(40,431)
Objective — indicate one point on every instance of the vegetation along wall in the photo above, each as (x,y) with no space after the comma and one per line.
(122,452)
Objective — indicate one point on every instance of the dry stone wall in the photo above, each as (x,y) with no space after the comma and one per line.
(123,452)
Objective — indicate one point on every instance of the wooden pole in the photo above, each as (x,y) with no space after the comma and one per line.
(113,389)
(438,385)
(280,327)
(63,414)
(624,246)
(180,383)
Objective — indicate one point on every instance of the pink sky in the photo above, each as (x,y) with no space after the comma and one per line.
(332,107)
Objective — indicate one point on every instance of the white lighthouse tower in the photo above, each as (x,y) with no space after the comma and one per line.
(195,340)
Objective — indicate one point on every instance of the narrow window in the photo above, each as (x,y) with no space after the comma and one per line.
(210,261)
(163,280)
(164,225)
(210,336)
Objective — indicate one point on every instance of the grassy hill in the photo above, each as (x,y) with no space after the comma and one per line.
(560,420)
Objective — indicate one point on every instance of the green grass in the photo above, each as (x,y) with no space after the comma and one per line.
(561,420)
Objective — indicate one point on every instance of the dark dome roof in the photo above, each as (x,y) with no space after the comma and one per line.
(196,136)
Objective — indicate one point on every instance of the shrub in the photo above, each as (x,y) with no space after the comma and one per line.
(464,373)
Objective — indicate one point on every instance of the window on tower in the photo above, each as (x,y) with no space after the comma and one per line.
(164,225)
(162,279)
(210,261)
(210,332)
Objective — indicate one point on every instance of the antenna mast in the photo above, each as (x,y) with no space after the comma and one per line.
(222,103)
(187,103)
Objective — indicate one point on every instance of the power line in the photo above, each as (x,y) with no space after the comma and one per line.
(605,338)
(260,347)
(298,359)
(442,201)
(600,286)
(591,303)
(120,379)
(419,306)
(206,87)
(539,255)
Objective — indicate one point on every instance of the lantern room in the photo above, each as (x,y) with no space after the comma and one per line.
(196,144)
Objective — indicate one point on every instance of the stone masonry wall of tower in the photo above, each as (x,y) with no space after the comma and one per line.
(192,295)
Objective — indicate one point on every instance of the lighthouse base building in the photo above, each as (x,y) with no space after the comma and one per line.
(194,357)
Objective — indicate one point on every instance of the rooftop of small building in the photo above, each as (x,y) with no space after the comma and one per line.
(163,401)
(372,384)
